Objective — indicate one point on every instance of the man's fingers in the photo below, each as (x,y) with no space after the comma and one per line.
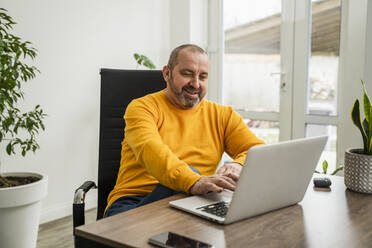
(229,179)
(230,170)
(213,187)
(233,176)
(226,183)
(213,183)
(221,170)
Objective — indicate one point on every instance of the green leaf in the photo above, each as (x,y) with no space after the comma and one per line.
(317,172)
(9,148)
(337,170)
(23,153)
(368,114)
(325,166)
(370,133)
(147,63)
(366,127)
(366,103)
(355,117)
(143,60)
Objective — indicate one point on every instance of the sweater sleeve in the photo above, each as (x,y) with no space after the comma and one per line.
(238,137)
(142,136)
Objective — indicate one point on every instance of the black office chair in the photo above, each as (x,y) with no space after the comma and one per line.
(118,89)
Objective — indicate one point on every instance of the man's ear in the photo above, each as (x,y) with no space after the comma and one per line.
(166,73)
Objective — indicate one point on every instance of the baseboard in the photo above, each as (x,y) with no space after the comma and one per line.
(63,209)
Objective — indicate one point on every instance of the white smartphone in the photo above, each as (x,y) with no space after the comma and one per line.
(174,240)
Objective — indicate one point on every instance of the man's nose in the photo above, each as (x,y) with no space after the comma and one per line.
(195,82)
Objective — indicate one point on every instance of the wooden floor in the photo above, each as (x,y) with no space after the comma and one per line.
(58,233)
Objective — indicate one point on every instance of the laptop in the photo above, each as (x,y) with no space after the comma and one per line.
(273,176)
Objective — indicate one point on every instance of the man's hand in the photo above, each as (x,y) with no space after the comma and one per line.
(215,183)
(231,170)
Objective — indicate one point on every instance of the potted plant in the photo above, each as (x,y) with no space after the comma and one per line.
(358,161)
(20,193)
(325,169)
(143,60)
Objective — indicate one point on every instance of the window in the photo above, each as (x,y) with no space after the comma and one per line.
(280,68)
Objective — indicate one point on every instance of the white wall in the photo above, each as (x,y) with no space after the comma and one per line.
(75,39)
(188,22)
(368,62)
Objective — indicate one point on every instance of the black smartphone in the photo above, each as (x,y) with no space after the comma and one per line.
(174,240)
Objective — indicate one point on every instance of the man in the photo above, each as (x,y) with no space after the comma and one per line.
(174,139)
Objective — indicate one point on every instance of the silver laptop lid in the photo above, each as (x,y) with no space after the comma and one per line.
(275,176)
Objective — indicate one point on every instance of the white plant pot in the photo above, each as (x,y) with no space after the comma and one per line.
(20,209)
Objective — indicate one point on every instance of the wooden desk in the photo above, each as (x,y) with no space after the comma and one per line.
(337,218)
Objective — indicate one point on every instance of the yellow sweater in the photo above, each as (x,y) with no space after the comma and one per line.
(161,141)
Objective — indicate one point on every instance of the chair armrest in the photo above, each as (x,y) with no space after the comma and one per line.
(80,192)
(78,207)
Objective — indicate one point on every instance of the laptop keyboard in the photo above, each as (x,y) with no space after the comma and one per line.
(219,208)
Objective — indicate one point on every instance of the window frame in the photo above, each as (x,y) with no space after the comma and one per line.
(295,37)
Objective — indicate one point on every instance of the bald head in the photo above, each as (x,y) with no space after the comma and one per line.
(173,58)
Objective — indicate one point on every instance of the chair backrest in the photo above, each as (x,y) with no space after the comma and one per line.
(118,89)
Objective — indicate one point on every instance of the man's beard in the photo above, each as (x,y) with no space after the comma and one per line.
(186,101)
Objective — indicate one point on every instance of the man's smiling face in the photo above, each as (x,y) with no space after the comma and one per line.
(188,81)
